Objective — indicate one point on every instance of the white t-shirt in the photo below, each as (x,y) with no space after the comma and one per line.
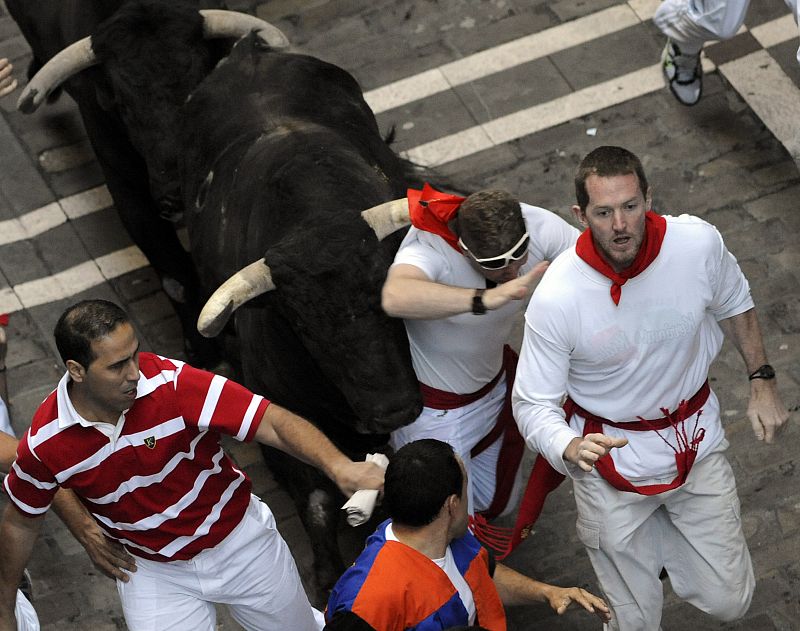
(628,361)
(448,564)
(464,352)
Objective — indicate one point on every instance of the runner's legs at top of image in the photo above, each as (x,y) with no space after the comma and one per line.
(688,24)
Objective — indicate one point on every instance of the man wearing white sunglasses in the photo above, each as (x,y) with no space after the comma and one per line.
(460,280)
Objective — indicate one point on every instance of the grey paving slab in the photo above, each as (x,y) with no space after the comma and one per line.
(20,263)
(505,92)
(608,57)
(566,10)
(762,11)
(510,21)
(21,184)
(733,48)
(101,232)
(431,118)
(786,56)
(60,248)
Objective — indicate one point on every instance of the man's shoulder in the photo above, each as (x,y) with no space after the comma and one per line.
(687,226)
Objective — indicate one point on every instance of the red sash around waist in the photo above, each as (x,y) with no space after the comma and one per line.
(441,400)
(513,445)
(544,479)
(685,452)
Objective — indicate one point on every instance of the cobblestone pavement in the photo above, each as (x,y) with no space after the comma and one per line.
(512,94)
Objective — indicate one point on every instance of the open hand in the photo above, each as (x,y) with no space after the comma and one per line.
(109,556)
(560,598)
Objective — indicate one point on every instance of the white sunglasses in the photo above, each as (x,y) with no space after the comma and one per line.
(519,250)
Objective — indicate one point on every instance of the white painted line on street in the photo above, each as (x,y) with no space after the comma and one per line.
(775,32)
(87,202)
(502,57)
(771,94)
(71,281)
(644,9)
(542,116)
(39,221)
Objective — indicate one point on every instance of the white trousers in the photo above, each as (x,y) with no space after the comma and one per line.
(694,532)
(691,23)
(252,571)
(462,428)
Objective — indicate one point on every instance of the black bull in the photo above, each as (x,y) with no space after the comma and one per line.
(128,103)
(280,155)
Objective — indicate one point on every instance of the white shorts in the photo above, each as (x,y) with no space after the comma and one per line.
(463,428)
(252,571)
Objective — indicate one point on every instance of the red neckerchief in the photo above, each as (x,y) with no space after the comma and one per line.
(430,211)
(3,319)
(655,227)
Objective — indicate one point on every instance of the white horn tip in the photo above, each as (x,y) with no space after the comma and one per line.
(213,319)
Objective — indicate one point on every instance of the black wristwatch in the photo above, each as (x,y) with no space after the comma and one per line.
(763,372)
(478,308)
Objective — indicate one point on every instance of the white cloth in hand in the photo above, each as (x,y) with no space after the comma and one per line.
(360,506)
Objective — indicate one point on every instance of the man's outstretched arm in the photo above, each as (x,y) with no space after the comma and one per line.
(288,432)
(517,589)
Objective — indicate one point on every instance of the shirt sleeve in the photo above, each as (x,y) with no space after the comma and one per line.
(213,402)
(550,234)
(540,386)
(30,485)
(731,291)
(417,251)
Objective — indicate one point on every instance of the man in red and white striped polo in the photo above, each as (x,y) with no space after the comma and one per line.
(136,437)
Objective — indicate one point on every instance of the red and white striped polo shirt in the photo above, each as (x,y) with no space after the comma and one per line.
(159,481)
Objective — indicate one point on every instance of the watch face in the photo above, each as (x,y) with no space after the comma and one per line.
(764,372)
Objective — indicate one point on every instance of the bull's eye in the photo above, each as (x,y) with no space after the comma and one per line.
(202,193)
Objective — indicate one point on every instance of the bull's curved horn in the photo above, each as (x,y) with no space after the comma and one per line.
(70,61)
(220,23)
(244,285)
(388,217)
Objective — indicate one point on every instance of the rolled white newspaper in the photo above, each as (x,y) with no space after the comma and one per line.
(360,506)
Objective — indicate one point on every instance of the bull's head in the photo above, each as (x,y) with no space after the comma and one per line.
(335,312)
(149,57)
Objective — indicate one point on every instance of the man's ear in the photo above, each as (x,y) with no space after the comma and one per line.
(451,503)
(76,371)
(580,215)
(649,198)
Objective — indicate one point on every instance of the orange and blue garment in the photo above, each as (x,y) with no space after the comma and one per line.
(392,587)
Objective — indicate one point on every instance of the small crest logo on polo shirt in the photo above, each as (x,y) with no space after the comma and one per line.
(150,442)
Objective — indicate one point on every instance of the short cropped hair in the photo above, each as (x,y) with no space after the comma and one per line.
(419,478)
(83,323)
(607,161)
(490,222)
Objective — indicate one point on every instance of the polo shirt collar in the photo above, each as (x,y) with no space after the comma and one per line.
(68,415)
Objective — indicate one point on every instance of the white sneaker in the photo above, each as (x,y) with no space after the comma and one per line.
(683,74)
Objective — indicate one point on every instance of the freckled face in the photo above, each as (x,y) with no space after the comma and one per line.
(616,215)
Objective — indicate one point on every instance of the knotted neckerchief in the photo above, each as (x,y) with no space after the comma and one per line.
(655,227)
(430,210)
